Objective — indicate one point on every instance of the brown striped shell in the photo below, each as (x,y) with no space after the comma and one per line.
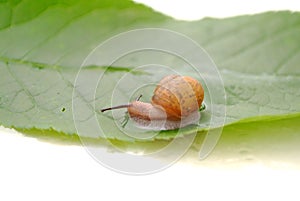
(178,95)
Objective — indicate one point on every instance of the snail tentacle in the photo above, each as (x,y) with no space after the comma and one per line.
(115,107)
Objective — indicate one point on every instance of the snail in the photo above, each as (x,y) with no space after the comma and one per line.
(175,104)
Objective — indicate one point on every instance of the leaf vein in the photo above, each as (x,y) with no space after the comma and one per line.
(256,43)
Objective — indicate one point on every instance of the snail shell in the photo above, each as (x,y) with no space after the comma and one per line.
(175,104)
(178,95)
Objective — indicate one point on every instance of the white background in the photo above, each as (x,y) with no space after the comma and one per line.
(31,169)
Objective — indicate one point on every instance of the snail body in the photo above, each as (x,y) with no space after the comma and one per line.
(175,104)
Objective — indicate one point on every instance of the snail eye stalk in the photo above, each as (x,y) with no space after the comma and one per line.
(139,97)
(120,106)
(116,107)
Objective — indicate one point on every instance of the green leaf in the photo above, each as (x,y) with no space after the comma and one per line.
(43,44)
(268,143)
(271,143)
